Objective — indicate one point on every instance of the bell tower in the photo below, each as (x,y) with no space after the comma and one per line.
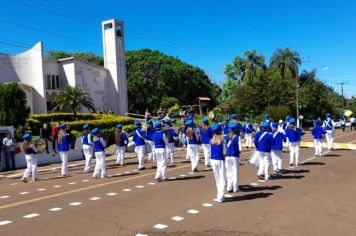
(114,61)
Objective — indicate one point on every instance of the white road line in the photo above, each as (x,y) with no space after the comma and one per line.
(182,175)
(228,195)
(55,209)
(207,204)
(160,226)
(141,235)
(31,215)
(41,189)
(193,211)
(94,198)
(173,178)
(3,197)
(177,218)
(75,203)
(134,170)
(261,180)
(126,190)
(140,186)
(5,222)
(111,194)
(151,183)
(57,186)
(254,184)
(127,172)
(85,180)
(13,184)
(24,193)
(191,173)
(72,183)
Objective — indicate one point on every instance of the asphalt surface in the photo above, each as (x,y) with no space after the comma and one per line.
(317,198)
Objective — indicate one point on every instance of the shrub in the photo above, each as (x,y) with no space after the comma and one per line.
(168,102)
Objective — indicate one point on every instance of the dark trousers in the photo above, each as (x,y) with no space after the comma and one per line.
(353,125)
(10,158)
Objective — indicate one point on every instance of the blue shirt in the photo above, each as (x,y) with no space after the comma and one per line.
(217,151)
(277,141)
(158,139)
(285,125)
(137,139)
(294,135)
(172,134)
(85,139)
(248,128)
(233,147)
(328,124)
(99,145)
(318,132)
(194,140)
(206,136)
(226,133)
(149,133)
(263,145)
(64,145)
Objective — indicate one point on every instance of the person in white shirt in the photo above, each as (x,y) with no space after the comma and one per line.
(353,123)
(10,144)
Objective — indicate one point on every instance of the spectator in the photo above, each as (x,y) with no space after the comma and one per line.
(45,134)
(54,137)
(147,115)
(72,137)
(353,122)
(9,143)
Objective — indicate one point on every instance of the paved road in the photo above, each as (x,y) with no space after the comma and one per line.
(317,198)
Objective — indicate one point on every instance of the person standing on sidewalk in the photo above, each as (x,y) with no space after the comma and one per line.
(45,134)
(10,144)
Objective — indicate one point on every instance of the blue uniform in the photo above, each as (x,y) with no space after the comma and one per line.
(277,141)
(328,125)
(248,128)
(149,133)
(318,132)
(285,125)
(263,145)
(64,145)
(137,139)
(194,140)
(98,145)
(217,152)
(123,140)
(206,136)
(158,139)
(233,147)
(294,135)
(172,134)
(85,139)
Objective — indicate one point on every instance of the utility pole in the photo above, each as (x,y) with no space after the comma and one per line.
(342,92)
(297,89)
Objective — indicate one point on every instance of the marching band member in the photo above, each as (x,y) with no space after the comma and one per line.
(294,135)
(161,142)
(267,117)
(206,135)
(121,141)
(318,133)
(218,150)
(285,126)
(263,141)
(172,136)
(249,130)
(30,154)
(225,128)
(328,126)
(149,134)
(139,138)
(232,161)
(64,141)
(276,148)
(99,148)
(87,148)
(192,141)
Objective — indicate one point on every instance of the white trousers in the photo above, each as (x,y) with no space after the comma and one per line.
(265,161)
(100,165)
(140,151)
(219,174)
(170,152)
(318,147)
(276,160)
(207,153)
(232,165)
(64,158)
(294,153)
(88,154)
(120,155)
(286,143)
(329,139)
(151,155)
(31,161)
(161,157)
(193,154)
(248,138)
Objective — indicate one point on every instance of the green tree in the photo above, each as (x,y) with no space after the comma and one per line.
(73,98)
(85,56)
(227,90)
(13,105)
(168,102)
(287,61)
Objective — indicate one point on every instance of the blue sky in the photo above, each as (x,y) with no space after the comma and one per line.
(205,33)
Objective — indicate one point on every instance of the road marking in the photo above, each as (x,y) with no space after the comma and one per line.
(75,203)
(141,235)
(191,173)
(111,194)
(192,211)
(172,178)
(85,180)
(182,175)
(57,186)
(3,197)
(254,184)
(72,183)
(151,183)
(94,198)
(55,209)
(140,186)
(261,180)
(126,190)
(160,226)
(228,195)
(24,193)
(41,189)
(127,172)
(13,184)
(207,204)
(31,215)
(177,218)
(5,222)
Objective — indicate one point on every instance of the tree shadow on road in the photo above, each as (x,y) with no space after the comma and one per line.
(247,197)
(331,155)
(248,188)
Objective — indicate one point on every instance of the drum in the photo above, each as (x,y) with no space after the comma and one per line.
(41,146)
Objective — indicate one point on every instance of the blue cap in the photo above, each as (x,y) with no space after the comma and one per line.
(227,118)
(233,126)
(266,115)
(150,122)
(158,125)
(205,120)
(233,116)
(216,128)
(138,123)
(62,126)
(119,126)
(247,119)
(189,122)
(275,125)
(316,122)
(95,131)
(328,114)
(292,120)
(27,136)
(86,126)
(287,118)
(264,124)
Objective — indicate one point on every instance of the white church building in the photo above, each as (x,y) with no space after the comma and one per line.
(43,79)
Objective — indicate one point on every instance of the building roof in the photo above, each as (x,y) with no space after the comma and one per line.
(78,59)
(204,99)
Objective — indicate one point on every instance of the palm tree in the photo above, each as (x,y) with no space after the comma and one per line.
(306,77)
(73,98)
(253,62)
(287,61)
